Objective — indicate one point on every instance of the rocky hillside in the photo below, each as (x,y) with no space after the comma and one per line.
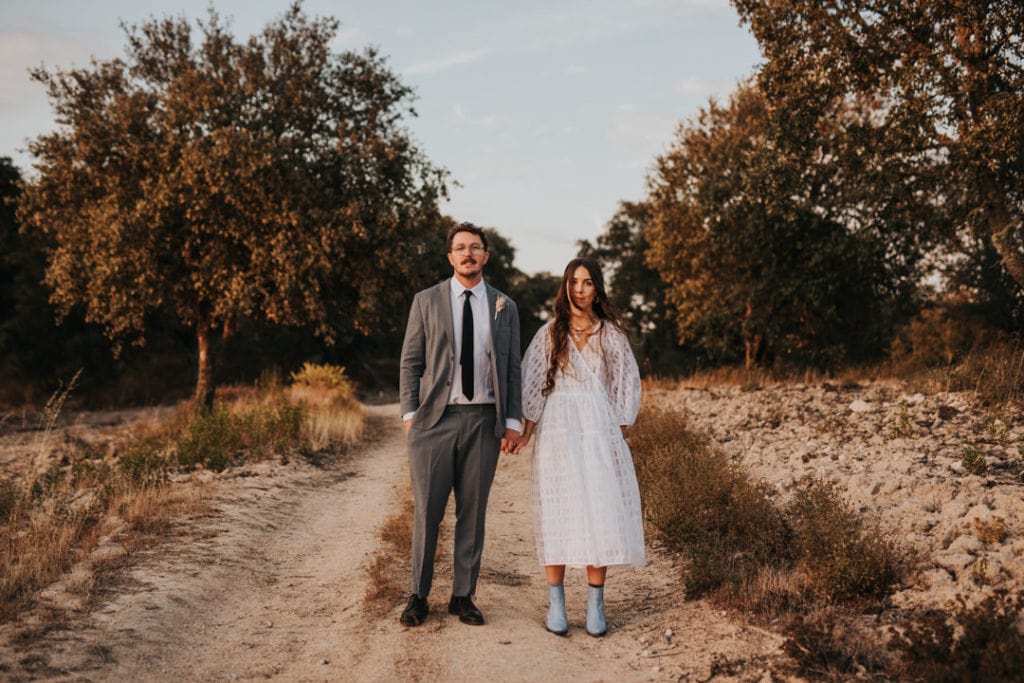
(941,471)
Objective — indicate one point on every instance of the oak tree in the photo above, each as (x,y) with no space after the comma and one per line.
(948,78)
(267,178)
(765,245)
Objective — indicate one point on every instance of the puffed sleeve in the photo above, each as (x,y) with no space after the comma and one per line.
(535,368)
(623,378)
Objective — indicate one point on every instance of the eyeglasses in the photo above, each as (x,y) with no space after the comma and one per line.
(472,249)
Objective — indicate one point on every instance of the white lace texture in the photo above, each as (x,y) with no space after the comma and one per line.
(586,502)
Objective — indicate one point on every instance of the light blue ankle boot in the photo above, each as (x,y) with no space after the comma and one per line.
(595,611)
(557,622)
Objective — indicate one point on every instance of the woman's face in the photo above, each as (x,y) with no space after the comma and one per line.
(581,290)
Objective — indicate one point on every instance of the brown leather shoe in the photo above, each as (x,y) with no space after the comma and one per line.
(416,610)
(467,611)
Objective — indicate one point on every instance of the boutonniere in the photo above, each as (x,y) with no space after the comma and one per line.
(499,306)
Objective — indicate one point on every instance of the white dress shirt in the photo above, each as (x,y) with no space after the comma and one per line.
(483,389)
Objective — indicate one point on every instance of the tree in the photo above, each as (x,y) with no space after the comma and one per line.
(765,243)
(949,78)
(269,179)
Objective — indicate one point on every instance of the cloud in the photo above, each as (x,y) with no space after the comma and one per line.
(496,122)
(434,66)
(577,69)
(347,38)
(699,86)
(642,132)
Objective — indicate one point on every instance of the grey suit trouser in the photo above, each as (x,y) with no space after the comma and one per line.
(460,452)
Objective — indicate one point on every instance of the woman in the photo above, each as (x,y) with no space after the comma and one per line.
(581,389)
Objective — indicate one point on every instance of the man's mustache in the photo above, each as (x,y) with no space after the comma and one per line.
(468,261)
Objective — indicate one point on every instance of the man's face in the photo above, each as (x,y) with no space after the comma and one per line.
(467,255)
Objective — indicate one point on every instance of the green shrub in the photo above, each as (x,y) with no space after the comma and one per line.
(974,462)
(144,464)
(270,428)
(211,440)
(215,438)
(982,643)
(850,559)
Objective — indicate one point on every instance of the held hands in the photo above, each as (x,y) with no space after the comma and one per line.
(510,441)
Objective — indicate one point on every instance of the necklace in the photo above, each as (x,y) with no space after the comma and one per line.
(578,333)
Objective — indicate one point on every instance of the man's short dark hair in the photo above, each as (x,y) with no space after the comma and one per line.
(467,227)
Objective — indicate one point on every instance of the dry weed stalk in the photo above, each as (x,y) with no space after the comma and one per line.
(51,411)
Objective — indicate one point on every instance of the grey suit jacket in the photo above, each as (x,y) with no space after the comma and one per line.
(428,357)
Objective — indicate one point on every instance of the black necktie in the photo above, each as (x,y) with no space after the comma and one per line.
(466,358)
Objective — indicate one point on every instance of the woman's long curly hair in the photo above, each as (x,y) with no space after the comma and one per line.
(559,329)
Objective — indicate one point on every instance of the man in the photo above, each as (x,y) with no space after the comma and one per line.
(461,402)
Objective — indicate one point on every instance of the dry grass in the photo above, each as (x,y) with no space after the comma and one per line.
(60,511)
(388,571)
(333,426)
(991,531)
(62,516)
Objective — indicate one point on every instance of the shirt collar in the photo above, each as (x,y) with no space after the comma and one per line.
(458,288)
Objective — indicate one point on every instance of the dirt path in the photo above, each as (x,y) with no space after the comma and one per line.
(272,586)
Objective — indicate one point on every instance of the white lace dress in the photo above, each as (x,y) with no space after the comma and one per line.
(586,502)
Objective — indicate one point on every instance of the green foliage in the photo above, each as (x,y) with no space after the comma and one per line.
(949,76)
(980,643)
(212,439)
(233,179)
(974,461)
(145,464)
(535,297)
(754,235)
(218,437)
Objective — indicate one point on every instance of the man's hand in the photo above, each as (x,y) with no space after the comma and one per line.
(525,439)
(509,441)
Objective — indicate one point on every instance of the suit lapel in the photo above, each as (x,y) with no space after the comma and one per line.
(445,305)
(491,296)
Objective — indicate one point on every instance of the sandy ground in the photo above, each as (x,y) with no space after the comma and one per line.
(271,586)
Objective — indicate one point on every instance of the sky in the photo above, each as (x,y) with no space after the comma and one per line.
(546,114)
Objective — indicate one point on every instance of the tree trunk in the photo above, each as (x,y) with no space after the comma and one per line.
(753,350)
(204,383)
(751,342)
